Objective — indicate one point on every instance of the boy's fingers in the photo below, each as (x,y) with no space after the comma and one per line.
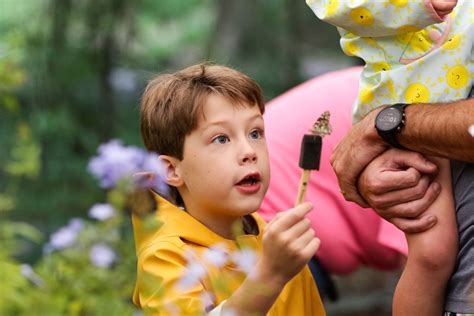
(305,237)
(273,220)
(298,229)
(311,248)
(291,217)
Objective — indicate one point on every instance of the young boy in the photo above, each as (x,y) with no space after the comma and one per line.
(206,123)
(415,52)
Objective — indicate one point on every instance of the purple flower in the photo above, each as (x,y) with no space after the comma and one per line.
(102,256)
(76,224)
(65,236)
(153,165)
(101,212)
(116,162)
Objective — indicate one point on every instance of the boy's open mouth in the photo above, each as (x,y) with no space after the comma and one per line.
(250,179)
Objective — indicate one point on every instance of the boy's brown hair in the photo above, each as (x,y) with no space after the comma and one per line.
(172,103)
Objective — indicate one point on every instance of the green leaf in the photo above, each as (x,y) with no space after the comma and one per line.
(7,203)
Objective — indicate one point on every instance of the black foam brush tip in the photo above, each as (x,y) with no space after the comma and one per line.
(310,154)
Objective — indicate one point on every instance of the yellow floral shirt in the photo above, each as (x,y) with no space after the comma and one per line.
(412,55)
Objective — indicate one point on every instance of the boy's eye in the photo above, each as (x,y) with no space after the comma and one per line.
(221,139)
(256,134)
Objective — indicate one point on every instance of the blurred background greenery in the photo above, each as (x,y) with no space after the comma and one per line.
(71,74)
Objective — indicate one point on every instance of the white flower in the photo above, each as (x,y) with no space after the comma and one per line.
(102,255)
(245,259)
(31,275)
(171,309)
(192,275)
(189,255)
(216,255)
(471,130)
(101,212)
(228,312)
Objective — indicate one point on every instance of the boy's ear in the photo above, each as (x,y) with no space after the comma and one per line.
(172,172)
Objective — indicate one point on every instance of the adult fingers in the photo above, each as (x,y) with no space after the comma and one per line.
(386,181)
(411,209)
(396,197)
(352,194)
(413,226)
(394,170)
(346,173)
(353,153)
(403,158)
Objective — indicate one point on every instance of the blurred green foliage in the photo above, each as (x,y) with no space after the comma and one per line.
(81,66)
(71,75)
(66,281)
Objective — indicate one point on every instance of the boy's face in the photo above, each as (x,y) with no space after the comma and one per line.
(225,168)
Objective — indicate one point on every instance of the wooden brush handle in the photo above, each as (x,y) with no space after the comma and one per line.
(302,187)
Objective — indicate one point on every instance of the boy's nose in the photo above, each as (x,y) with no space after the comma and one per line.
(250,157)
(248,154)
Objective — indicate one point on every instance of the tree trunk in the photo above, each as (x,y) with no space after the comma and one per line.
(225,42)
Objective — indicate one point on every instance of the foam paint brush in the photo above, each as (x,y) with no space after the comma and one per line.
(310,154)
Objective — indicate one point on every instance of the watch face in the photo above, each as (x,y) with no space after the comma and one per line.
(388,119)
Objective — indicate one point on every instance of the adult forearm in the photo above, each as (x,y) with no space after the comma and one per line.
(440,129)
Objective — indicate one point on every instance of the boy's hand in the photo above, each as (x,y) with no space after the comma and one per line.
(444,7)
(288,245)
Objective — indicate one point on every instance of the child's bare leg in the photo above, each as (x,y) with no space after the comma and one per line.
(431,258)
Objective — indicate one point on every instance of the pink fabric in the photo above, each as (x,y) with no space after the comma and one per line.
(350,236)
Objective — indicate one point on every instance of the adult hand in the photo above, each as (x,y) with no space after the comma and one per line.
(353,153)
(398,185)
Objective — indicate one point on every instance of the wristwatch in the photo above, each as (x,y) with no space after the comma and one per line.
(389,122)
